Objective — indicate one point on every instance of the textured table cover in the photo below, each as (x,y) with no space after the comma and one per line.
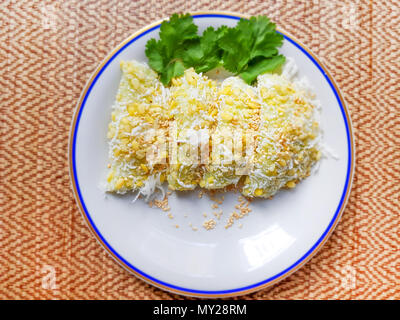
(48,49)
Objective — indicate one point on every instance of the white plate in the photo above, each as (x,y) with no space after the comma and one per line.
(279,235)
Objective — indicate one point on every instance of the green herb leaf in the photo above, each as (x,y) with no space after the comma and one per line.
(248,50)
(173,69)
(260,66)
(236,50)
(165,54)
(155,54)
(203,54)
(251,47)
(176,31)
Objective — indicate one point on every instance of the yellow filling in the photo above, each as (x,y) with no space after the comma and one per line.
(274,121)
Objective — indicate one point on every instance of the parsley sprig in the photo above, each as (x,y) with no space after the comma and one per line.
(248,50)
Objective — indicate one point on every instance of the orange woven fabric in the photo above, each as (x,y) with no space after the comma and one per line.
(48,49)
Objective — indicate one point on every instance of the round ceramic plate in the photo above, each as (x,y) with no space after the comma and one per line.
(277,237)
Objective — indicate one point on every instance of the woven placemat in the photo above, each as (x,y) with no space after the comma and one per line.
(48,50)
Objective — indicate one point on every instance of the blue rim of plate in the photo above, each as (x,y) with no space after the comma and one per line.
(168,286)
